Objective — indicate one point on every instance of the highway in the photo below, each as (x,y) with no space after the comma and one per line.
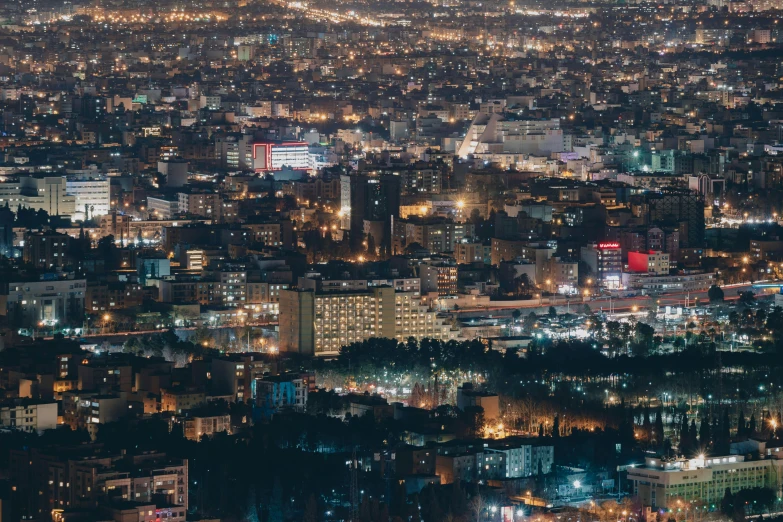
(615,304)
(119,335)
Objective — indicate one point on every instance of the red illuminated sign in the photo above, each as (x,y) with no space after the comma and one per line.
(605,246)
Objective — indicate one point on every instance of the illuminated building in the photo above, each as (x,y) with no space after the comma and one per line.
(320,323)
(605,262)
(181,399)
(199,425)
(439,276)
(651,262)
(47,193)
(280,392)
(29,416)
(467,253)
(372,199)
(55,301)
(432,233)
(80,477)
(702,479)
(92,197)
(46,250)
(684,282)
(271,156)
(162,208)
(499,134)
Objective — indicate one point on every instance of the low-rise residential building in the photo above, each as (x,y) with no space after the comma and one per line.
(28,416)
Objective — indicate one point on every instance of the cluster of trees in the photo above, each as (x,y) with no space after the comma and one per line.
(166,344)
(387,362)
(749,501)
(39,219)
(712,435)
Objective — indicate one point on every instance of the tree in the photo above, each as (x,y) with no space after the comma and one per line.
(530,321)
(727,503)
(647,425)
(556,428)
(477,506)
(658,427)
(741,426)
(474,421)
(746,298)
(752,424)
(522,284)
(552,312)
(715,294)
(693,435)
(685,440)
(311,510)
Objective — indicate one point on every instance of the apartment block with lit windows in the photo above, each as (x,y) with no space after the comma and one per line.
(320,323)
(413,319)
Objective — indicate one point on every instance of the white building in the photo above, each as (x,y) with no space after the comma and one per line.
(29,417)
(92,196)
(271,156)
(499,134)
(28,303)
(162,208)
(653,284)
(703,479)
(47,193)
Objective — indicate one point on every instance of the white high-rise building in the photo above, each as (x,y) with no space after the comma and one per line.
(92,196)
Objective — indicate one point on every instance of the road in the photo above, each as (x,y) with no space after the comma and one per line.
(106,335)
(615,305)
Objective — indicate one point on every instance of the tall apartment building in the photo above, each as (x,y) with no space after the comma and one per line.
(207,204)
(605,262)
(466,253)
(233,375)
(683,207)
(372,199)
(439,276)
(434,234)
(320,323)
(46,250)
(234,151)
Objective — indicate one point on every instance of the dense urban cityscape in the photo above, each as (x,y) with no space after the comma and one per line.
(391,261)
